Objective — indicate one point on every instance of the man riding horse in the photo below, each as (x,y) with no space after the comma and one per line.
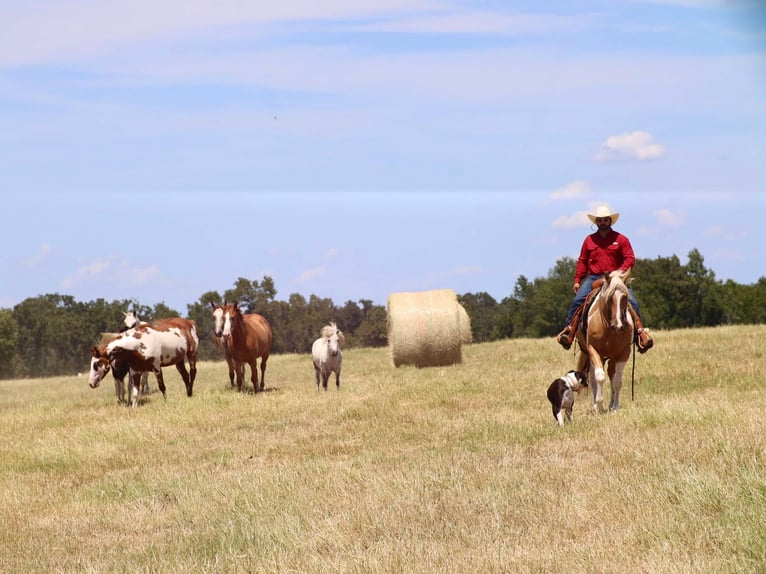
(602,252)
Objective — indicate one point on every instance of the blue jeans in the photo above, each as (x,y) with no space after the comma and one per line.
(585,288)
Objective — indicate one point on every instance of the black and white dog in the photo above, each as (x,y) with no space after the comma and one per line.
(562,391)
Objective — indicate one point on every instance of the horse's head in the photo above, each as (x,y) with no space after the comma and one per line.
(99,366)
(217,319)
(129,320)
(334,338)
(230,315)
(615,292)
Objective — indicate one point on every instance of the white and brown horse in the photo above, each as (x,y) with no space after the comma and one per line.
(149,347)
(605,338)
(247,338)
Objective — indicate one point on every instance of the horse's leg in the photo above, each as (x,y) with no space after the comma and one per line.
(597,377)
(160,382)
(230,363)
(231,373)
(135,387)
(181,368)
(316,374)
(192,369)
(263,371)
(615,375)
(325,377)
(119,390)
(240,368)
(254,374)
(145,383)
(337,379)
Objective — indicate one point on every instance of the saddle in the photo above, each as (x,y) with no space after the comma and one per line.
(582,311)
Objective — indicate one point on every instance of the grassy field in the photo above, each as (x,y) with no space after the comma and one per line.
(456,469)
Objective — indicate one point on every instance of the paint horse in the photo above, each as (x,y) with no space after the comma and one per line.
(327,356)
(129,321)
(605,338)
(248,337)
(149,347)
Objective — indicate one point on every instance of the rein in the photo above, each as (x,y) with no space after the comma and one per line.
(633,374)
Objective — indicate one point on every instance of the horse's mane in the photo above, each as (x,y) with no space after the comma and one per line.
(332,329)
(616,280)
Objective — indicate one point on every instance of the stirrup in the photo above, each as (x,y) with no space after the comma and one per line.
(644,347)
(563,340)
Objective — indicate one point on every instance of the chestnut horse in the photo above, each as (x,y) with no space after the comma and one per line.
(248,337)
(606,336)
(149,347)
(224,346)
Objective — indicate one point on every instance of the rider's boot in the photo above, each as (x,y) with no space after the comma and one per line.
(641,335)
(566,337)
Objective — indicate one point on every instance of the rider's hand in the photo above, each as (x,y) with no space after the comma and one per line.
(576,288)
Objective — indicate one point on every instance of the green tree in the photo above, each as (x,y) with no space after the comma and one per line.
(201,313)
(481,308)
(8,338)
(373,330)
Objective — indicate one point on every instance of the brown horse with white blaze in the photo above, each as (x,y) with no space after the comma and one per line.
(248,338)
(605,338)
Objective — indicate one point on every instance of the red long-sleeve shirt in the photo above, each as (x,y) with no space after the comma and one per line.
(604,254)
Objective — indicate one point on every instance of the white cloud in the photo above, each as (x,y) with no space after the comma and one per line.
(577,219)
(39,257)
(668,218)
(722,232)
(311,274)
(111,271)
(637,145)
(573,190)
(52,31)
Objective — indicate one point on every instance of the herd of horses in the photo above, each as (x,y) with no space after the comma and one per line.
(604,336)
(244,338)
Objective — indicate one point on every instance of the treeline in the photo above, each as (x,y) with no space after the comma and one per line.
(51,334)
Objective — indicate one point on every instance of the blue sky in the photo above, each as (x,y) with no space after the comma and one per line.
(353,148)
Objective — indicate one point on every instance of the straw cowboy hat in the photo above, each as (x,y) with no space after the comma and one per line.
(604,211)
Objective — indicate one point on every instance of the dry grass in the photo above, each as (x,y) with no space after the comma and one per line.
(452,469)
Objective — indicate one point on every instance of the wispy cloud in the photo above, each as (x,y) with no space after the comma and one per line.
(39,257)
(668,218)
(726,233)
(637,145)
(94,28)
(311,274)
(577,219)
(111,270)
(573,190)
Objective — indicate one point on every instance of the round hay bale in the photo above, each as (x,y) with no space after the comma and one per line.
(424,328)
(466,335)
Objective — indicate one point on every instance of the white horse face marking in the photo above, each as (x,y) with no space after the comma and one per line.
(332,344)
(218,319)
(99,367)
(130,320)
(226,331)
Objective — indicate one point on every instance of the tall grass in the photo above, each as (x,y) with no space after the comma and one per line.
(453,469)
